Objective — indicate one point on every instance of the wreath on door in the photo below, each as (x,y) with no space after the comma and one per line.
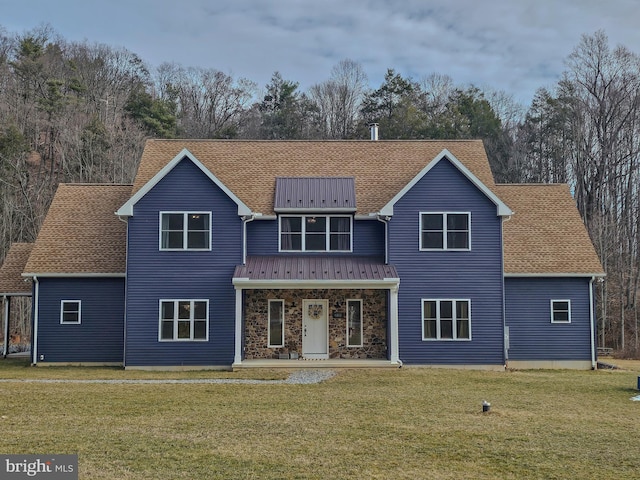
(315,311)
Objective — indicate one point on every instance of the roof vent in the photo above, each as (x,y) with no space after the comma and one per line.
(374,131)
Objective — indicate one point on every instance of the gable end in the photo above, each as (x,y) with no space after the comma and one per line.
(127,209)
(502,209)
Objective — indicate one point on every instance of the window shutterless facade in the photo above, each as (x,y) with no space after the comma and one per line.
(70,311)
(276,323)
(446,319)
(315,233)
(184,320)
(185,231)
(445,231)
(354,323)
(560,311)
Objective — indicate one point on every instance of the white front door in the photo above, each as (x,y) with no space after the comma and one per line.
(315,329)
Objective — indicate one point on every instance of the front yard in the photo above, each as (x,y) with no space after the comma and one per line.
(405,423)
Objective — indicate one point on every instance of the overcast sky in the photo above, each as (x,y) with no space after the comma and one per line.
(511,45)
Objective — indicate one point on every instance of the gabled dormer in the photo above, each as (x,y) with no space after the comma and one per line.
(315,214)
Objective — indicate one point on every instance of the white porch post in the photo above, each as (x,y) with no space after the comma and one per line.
(237,360)
(393,312)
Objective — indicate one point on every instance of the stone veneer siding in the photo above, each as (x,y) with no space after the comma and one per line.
(374,322)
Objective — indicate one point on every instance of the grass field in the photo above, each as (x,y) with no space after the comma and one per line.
(361,424)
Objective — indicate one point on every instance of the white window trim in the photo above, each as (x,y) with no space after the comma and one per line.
(62,303)
(444,232)
(327,233)
(455,324)
(185,232)
(175,320)
(554,300)
(361,323)
(269,344)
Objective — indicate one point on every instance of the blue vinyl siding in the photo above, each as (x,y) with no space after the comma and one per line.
(100,335)
(182,275)
(532,336)
(368,239)
(474,274)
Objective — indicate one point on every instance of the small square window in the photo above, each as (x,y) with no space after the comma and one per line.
(70,311)
(560,311)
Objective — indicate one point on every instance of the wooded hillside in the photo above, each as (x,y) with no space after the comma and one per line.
(80,112)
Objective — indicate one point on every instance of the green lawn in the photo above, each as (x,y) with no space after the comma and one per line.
(361,424)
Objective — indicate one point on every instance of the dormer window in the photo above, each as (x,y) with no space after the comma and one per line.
(315,233)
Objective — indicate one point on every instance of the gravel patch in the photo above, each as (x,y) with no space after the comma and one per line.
(298,377)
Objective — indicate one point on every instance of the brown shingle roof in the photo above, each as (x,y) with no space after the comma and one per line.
(81,233)
(249,168)
(546,234)
(11,280)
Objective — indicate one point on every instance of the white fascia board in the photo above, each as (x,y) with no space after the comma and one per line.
(555,275)
(15,294)
(75,275)
(247,283)
(503,210)
(127,209)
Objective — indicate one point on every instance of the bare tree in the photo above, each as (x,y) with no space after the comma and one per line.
(338,99)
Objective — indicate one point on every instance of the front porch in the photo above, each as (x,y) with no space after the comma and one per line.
(315,324)
(322,309)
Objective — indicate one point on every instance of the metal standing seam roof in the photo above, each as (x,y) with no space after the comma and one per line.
(315,268)
(11,280)
(315,193)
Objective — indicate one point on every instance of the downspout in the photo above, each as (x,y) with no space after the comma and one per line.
(505,327)
(246,219)
(36,308)
(394,327)
(594,362)
(385,219)
(126,281)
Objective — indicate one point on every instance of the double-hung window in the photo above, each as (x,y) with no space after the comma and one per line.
(70,311)
(560,311)
(446,319)
(185,231)
(184,320)
(315,233)
(445,231)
